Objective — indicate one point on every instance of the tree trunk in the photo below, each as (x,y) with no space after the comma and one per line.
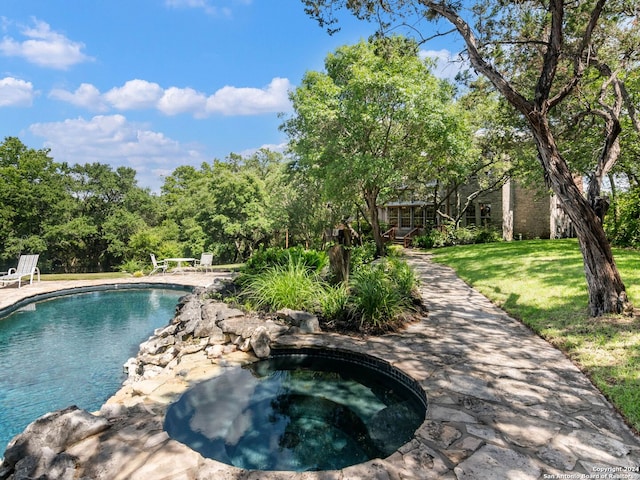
(607,292)
(372,207)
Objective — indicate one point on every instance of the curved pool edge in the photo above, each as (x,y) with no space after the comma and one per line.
(367,370)
(39,297)
(10,296)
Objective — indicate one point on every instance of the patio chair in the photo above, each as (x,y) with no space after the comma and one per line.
(205,263)
(158,265)
(27,267)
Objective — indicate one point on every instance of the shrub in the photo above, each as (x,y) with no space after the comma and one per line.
(449,236)
(334,301)
(375,301)
(424,241)
(402,276)
(133,266)
(625,230)
(292,285)
(262,259)
(395,251)
(362,255)
(382,292)
(463,235)
(488,234)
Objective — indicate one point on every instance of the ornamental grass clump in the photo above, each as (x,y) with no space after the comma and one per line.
(291,285)
(378,298)
(334,302)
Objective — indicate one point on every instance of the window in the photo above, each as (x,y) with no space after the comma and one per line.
(430,214)
(405,217)
(418,217)
(485,214)
(470,215)
(393,217)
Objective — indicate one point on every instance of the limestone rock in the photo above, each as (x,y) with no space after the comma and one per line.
(240,326)
(261,342)
(305,321)
(156,345)
(495,462)
(34,452)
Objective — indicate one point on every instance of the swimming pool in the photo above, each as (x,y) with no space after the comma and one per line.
(69,350)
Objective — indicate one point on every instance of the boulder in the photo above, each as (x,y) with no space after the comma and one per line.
(156,345)
(35,451)
(208,327)
(240,326)
(305,321)
(261,342)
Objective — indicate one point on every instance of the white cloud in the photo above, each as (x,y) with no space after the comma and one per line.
(251,101)
(16,93)
(44,47)
(182,100)
(448,65)
(141,94)
(113,140)
(135,95)
(86,96)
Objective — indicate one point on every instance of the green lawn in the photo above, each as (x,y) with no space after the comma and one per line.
(542,283)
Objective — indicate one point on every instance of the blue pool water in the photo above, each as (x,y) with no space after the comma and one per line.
(299,412)
(70,350)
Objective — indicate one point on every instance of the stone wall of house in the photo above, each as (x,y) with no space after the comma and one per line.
(531,213)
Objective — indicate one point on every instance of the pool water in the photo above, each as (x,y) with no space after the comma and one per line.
(296,413)
(70,350)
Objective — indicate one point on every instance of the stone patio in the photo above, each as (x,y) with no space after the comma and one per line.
(503,404)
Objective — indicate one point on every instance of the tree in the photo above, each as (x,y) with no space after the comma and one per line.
(109,209)
(536,54)
(239,217)
(376,110)
(32,199)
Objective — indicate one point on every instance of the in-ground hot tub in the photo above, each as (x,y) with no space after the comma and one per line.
(300,410)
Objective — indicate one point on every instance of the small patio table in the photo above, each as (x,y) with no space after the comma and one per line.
(179,261)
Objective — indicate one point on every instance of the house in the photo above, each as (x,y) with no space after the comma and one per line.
(519,212)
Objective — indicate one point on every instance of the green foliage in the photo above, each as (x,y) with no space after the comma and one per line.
(376,300)
(362,255)
(624,231)
(487,235)
(292,285)
(362,127)
(133,266)
(449,236)
(334,301)
(402,276)
(315,261)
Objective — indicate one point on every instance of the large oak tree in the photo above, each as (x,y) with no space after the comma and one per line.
(376,111)
(536,54)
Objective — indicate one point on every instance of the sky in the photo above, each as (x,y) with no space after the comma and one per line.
(156,84)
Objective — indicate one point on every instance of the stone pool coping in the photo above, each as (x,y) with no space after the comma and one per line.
(503,404)
(12,296)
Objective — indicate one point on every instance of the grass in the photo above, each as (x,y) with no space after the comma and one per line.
(284,286)
(542,283)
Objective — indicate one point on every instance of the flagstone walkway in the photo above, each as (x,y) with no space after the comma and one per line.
(503,404)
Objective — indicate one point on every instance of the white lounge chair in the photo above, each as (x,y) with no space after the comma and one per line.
(205,263)
(158,265)
(27,267)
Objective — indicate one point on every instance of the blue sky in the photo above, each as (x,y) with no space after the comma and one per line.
(154,84)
